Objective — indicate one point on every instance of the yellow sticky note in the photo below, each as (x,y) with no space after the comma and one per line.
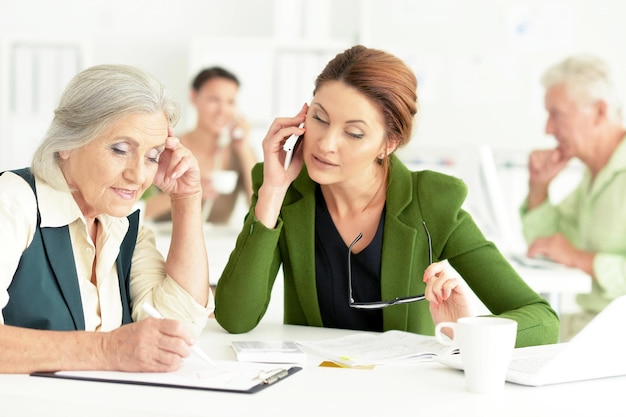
(330,364)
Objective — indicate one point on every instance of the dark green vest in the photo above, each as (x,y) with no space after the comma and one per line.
(44,293)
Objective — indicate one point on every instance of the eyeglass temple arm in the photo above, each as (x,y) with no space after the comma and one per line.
(350,265)
(430,244)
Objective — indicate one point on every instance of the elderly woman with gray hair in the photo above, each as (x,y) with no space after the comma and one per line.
(76,266)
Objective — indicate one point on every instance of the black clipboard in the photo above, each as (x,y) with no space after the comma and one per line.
(268,379)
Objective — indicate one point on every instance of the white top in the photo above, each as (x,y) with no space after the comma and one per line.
(101,302)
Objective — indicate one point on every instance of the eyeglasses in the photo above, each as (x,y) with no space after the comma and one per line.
(382,304)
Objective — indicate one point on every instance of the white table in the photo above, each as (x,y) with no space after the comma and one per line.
(423,389)
(552,284)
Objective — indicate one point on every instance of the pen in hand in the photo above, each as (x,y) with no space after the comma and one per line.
(195,348)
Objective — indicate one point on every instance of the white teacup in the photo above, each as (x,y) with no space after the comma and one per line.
(486,345)
(224,181)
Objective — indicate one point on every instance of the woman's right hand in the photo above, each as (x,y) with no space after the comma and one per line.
(276,179)
(178,173)
(274,174)
(149,345)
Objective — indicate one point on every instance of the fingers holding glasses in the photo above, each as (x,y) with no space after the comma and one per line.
(445,294)
(440,283)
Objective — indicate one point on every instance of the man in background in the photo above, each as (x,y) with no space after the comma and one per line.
(587,229)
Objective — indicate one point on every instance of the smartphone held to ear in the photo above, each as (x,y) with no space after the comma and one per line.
(290,147)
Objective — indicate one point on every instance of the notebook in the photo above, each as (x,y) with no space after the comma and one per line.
(597,351)
(367,349)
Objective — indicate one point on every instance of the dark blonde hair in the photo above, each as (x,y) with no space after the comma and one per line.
(384,79)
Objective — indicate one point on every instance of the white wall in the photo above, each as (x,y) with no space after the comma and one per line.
(478,62)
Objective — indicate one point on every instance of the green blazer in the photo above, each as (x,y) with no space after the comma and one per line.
(244,289)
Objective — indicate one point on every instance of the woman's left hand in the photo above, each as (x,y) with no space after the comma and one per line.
(446,297)
(178,173)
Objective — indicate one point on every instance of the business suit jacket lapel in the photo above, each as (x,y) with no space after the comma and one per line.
(300,239)
(400,244)
(58,249)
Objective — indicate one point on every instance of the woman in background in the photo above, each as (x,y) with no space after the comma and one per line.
(356,232)
(220,141)
(76,266)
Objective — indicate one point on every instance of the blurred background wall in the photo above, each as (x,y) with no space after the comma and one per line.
(478,62)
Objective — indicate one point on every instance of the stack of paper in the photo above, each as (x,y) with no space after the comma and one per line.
(365,349)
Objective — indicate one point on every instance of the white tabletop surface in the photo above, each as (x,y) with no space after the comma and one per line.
(421,389)
(561,280)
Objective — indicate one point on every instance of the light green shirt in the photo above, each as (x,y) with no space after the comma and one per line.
(592,218)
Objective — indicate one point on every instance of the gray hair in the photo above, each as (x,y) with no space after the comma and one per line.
(92,101)
(587,79)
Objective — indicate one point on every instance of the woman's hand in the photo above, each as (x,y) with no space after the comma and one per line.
(274,174)
(150,345)
(178,173)
(276,179)
(446,297)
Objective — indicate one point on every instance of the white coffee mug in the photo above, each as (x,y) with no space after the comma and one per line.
(224,181)
(486,345)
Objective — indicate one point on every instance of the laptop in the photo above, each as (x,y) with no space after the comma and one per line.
(539,262)
(597,351)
